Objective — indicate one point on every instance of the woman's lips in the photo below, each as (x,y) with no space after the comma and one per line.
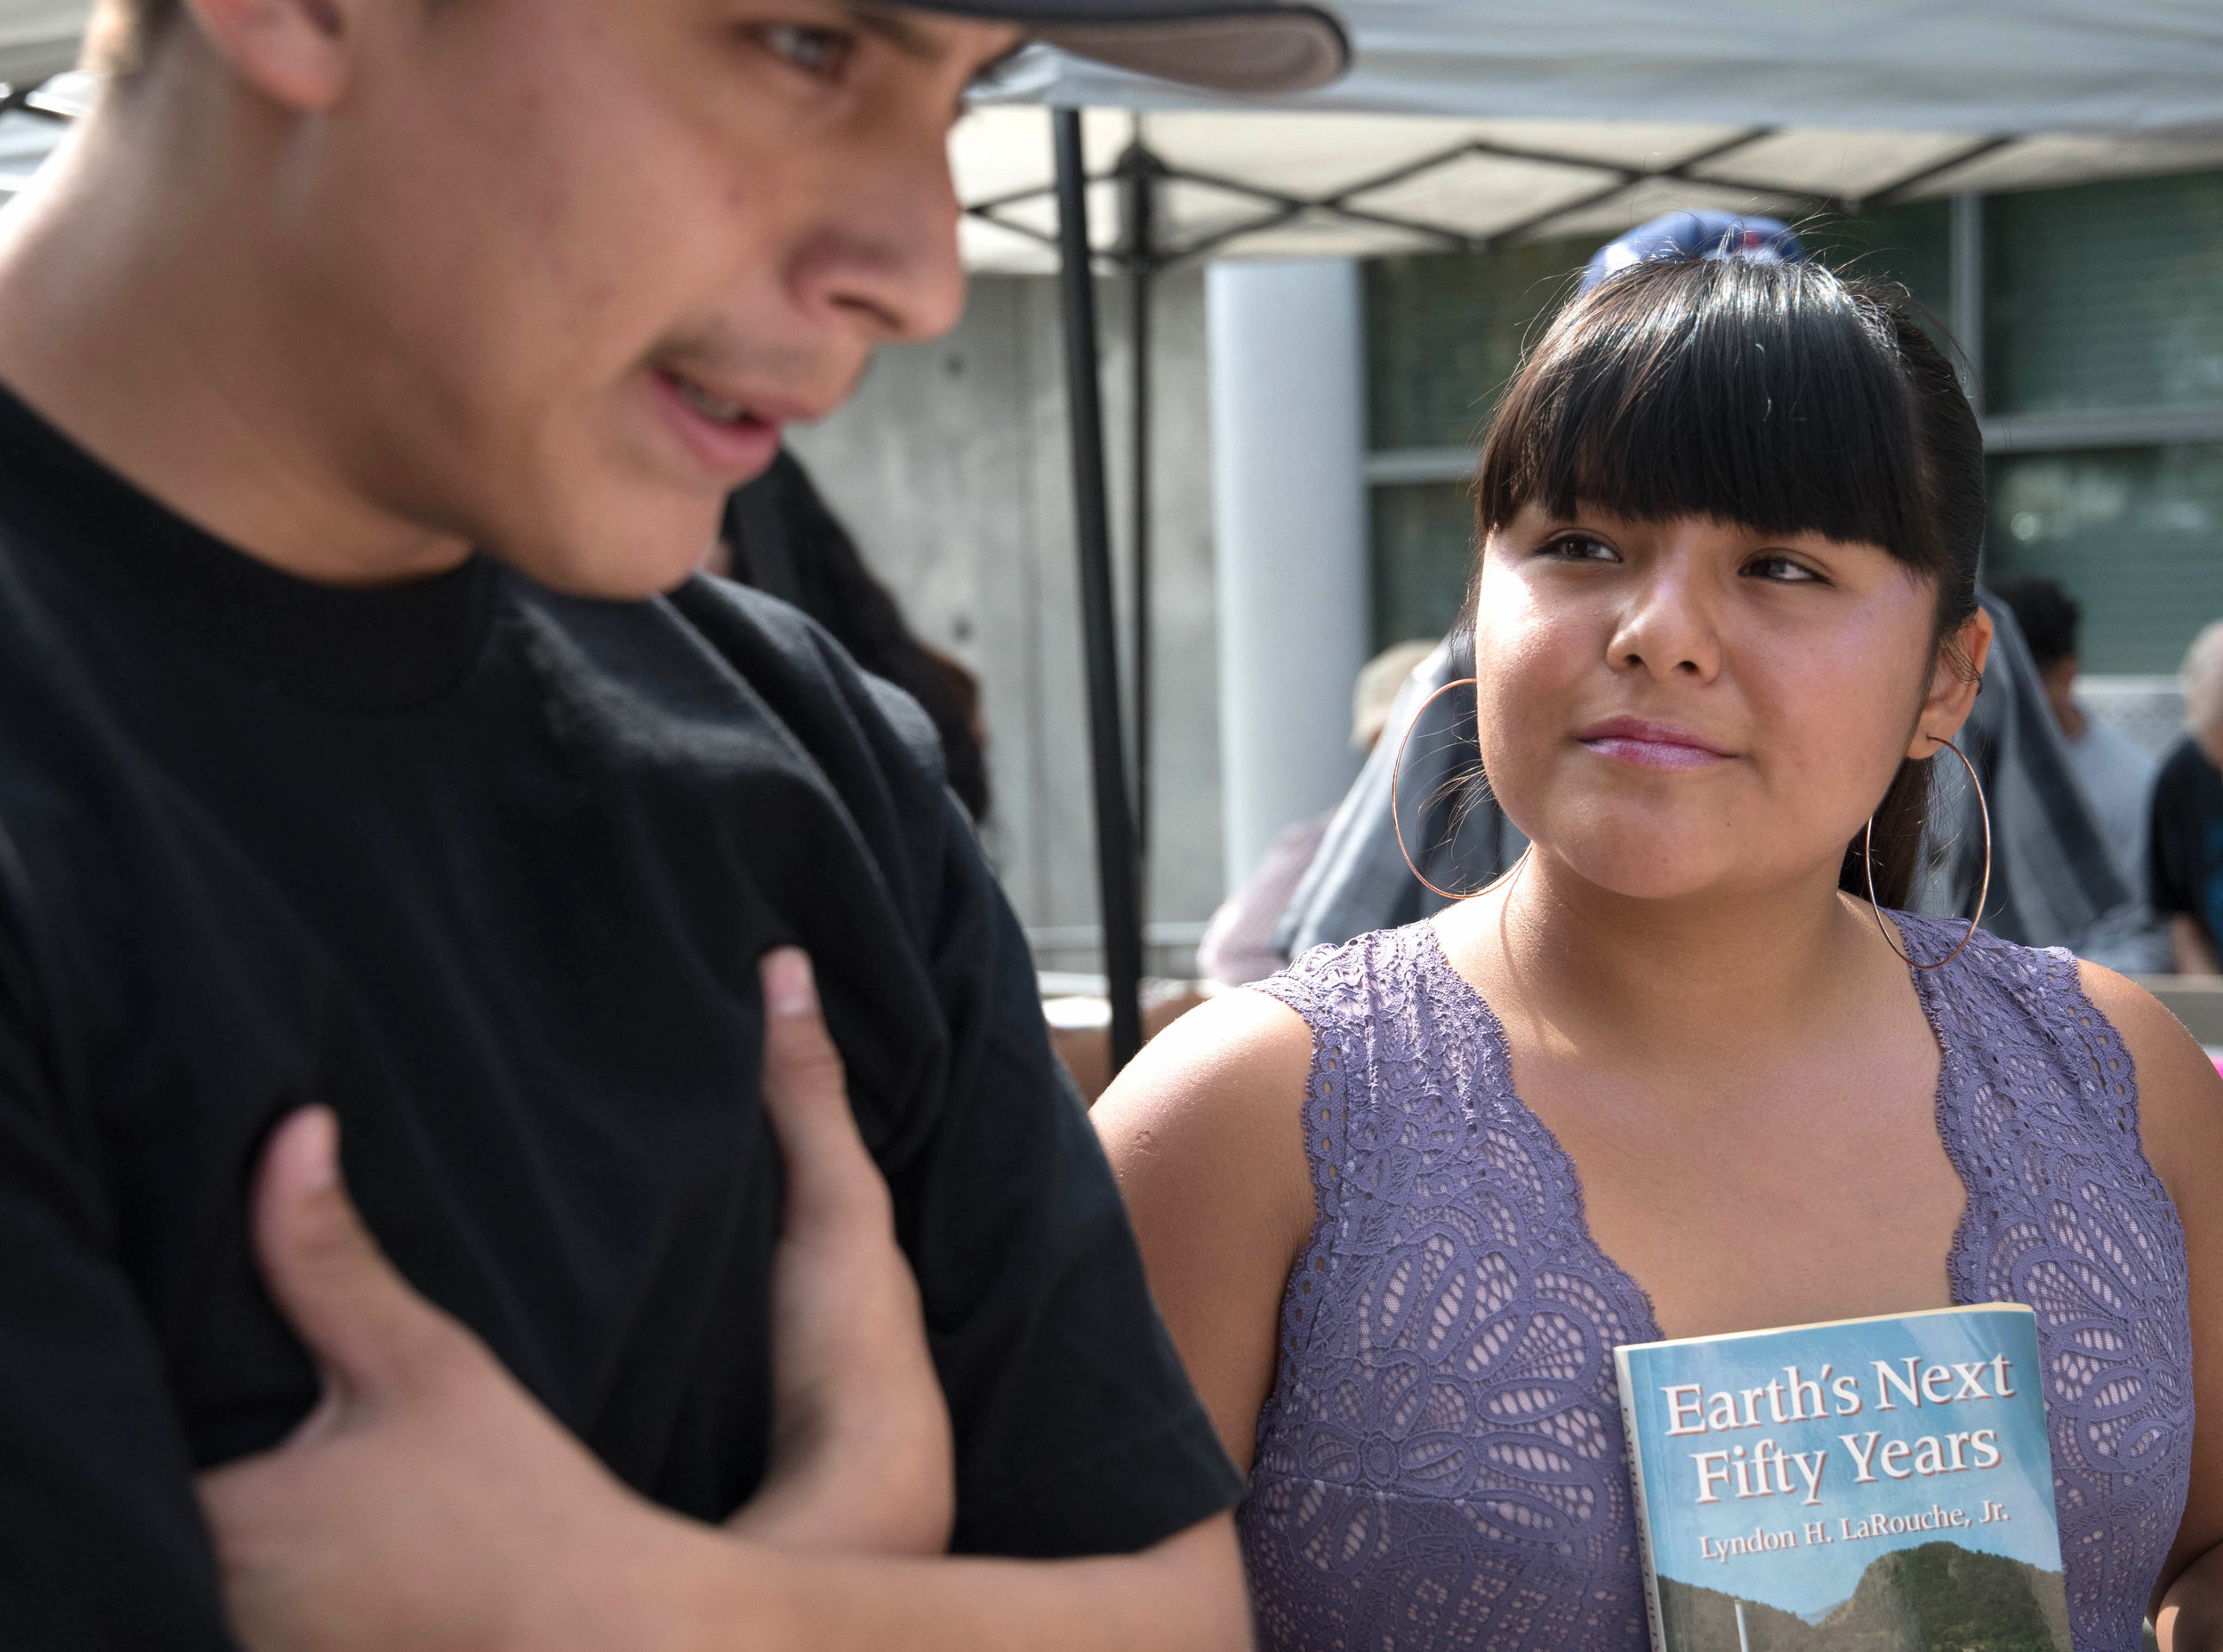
(1649,745)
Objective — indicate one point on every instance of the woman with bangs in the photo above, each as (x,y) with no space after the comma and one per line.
(1685,1069)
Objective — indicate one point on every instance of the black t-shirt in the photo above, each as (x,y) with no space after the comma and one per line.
(2187,846)
(489,871)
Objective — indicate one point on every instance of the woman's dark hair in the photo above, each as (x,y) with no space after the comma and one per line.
(1782,397)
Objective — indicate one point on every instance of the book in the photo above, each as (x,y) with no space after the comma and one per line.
(1880,1485)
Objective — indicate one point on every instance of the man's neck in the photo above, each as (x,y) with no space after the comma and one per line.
(144,313)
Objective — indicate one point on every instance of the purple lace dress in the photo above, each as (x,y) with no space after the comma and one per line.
(1441,1463)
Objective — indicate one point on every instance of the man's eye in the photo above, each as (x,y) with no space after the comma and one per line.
(1785,569)
(824,52)
(1580,547)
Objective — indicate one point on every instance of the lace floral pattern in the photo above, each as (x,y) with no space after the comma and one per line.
(1441,1463)
(2041,1113)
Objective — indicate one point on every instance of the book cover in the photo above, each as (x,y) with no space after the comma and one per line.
(1880,1485)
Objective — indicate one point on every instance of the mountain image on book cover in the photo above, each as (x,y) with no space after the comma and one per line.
(1880,1485)
(1938,1598)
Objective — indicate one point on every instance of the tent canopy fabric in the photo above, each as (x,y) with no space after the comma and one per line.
(1949,64)
(1917,65)
(1270,184)
(1464,123)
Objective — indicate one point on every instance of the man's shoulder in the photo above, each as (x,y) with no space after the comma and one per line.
(784,653)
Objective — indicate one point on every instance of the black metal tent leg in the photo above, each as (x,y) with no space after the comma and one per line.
(1138,170)
(1116,880)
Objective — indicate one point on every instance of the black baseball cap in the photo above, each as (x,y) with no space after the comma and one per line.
(1221,45)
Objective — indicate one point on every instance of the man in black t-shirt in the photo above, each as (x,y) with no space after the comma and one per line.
(371,375)
(2187,846)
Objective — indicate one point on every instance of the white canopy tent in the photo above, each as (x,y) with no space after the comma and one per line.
(2003,65)
(1465,123)
(1275,184)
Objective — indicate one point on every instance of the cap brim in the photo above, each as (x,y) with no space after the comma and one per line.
(1256,48)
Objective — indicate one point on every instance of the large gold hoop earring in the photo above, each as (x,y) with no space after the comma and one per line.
(1398,768)
(1867,864)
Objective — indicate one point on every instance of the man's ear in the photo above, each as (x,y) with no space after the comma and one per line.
(1953,683)
(294,53)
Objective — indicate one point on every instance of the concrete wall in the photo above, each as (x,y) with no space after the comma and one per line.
(950,467)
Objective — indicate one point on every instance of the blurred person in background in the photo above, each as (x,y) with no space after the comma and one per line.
(2188,843)
(1238,944)
(780,535)
(2116,774)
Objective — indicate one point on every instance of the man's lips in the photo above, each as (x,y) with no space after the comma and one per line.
(732,436)
(1649,745)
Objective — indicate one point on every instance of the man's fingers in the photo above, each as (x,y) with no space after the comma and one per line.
(365,1326)
(807,1095)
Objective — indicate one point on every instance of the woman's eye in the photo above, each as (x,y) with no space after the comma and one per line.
(823,52)
(1580,547)
(1787,569)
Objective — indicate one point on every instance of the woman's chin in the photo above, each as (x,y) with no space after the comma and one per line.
(1651,869)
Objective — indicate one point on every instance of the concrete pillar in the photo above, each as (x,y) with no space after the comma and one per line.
(1287,348)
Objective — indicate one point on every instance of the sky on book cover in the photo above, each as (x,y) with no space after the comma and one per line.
(1780,1466)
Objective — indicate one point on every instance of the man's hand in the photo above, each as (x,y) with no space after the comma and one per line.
(431,1502)
(414,1504)
(861,1454)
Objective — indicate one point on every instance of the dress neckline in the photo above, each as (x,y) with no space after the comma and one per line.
(1493,1030)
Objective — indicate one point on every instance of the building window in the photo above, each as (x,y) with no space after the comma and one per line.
(1445,333)
(2134,533)
(2094,317)
(1424,551)
(2105,298)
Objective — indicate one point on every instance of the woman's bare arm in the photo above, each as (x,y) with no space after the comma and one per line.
(2181,1114)
(1204,1131)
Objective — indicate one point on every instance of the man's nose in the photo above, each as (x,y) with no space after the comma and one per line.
(889,262)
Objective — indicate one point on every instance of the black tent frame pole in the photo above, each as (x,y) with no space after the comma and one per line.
(1138,190)
(1116,866)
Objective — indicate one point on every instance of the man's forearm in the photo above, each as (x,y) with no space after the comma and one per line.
(1183,1595)
(2189,943)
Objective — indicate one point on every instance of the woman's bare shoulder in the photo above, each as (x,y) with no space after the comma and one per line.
(1205,1130)
(2180,1093)
(1233,1067)
(1205,1127)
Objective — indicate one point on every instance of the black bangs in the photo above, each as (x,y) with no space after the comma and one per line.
(1780,396)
